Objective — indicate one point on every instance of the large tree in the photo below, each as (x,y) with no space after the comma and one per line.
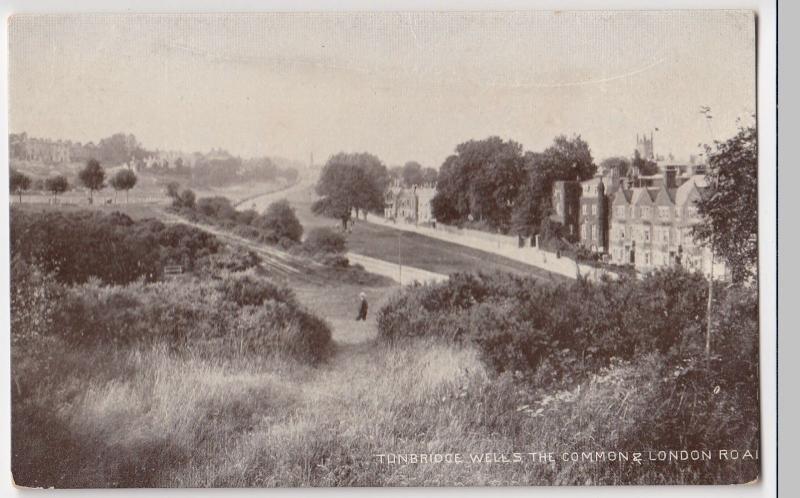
(480,181)
(19,182)
(566,159)
(125,179)
(430,176)
(351,182)
(450,205)
(119,148)
(396,173)
(92,176)
(412,174)
(56,185)
(729,208)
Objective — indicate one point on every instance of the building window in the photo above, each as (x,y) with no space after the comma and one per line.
(647,258)
(594,209)
(647,235)
(583,209)
(663,212)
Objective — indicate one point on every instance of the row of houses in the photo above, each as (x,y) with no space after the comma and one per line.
(644,222)
(21,146)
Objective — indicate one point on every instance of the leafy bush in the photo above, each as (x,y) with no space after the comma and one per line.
(590,352)
(75,246)
(231,259)
(325,241)
(241,315)
(248,291)
(35,296)
(187,198)
(217,207)
(279,222)
(247,232)
(246,217)
(334,260)
(574,329)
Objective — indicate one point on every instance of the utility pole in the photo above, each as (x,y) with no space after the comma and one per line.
(706,111)
(708,309)
(399,257)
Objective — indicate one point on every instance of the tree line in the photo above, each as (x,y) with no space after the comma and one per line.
(92,177)
(496,185)
(490,181)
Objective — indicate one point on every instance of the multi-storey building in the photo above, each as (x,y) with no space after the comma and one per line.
(21,146)
(566,207)
(651,227)
(412,205)
(594,203)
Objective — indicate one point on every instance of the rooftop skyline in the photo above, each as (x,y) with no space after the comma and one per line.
(404,86)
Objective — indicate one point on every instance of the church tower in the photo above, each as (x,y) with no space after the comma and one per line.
(645,146)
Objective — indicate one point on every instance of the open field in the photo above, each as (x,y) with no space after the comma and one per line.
(150,187)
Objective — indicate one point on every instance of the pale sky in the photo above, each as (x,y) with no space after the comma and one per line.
(402,86)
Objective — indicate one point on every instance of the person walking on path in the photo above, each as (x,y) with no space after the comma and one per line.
(362,309)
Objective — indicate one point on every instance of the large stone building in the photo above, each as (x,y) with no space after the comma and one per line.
(565,202)
(595,197)
(651,227)
(411,205)
(21,146)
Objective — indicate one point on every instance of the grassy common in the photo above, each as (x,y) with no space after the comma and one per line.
(410,249)
(230,376)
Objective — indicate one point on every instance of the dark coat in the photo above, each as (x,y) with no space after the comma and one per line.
(362,310)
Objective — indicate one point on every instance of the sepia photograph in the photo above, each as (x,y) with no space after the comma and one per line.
(384,249)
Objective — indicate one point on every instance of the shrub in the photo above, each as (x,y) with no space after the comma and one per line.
(334,260)
(232,259)
(219,208)
(75,246)
(519,325)
(279,222)
(246,217)
(239,316)
(326,241)
(248,291)
(187,199)
(35,297)
(247,232)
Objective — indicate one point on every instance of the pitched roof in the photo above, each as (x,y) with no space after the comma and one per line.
(622,196)
(641,195)
(665,196)
(689,189)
